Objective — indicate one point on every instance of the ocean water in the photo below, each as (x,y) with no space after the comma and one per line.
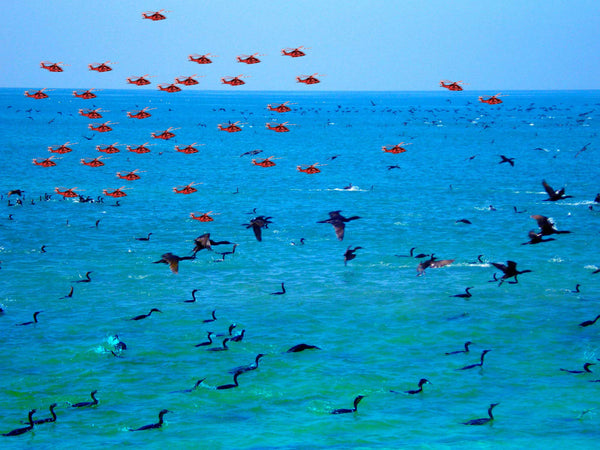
(379,327)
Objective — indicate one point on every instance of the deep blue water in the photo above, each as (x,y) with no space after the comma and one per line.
(380,328)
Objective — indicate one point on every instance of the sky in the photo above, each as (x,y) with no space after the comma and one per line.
(358,45)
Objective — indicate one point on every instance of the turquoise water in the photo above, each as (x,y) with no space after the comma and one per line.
(380,328)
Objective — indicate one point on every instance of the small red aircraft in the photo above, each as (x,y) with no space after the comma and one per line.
(110,149)
(267,162)
(248,59)
(69,193)
(169,88)
(395,149)
(233,81)
(293,52)
(308,79)
(230,128)
(187,189)
(278,127)
(91,113)
(141,114)
(451,85)
(102,128)
(131,176)
(45,162)
(309,169)
(62,149)
(52,67)
(154,15)
(201,59)
(102,67)
(85,94)
(188,150)
(188,81)
(493,100)
(140,149)
(166,135)
(280,108)
(140,81)
(93,163)
(203,217)
(116,193)
(37,94)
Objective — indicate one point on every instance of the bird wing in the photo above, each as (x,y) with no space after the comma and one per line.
(548,189)
(339,228)
(257,231)
(441,263)
(500,266)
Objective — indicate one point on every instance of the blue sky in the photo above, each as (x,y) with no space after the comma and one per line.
(354,44)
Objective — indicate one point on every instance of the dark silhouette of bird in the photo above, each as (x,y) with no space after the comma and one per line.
(87,278)
(554,195)
(510,270)
(153,425)
(209,342)
(467,294)
(547,226)
(231,386)
(248,367)
(345,411)
(47,419)
(301,347)
(212,317)
(510,161)
(22,430)
(433,263)
(31,322)
(484,420)
(466,350)
(257,224)
(143,316)
(69,295)
(339,222)
(588,323)
(465,221)
(349,254)
(198,383)
(283,291)
(238,337)
(517,211)
(147,238)
(205,242)
(172,260)
(193,299)
(412,254)
(586,369)
(94,401)
(536,238)
(422,382)
(479,364)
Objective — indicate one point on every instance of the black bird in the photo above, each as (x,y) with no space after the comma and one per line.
(86,404)
(302,347)
(433,263)
(238,337)
(412,254)
(576,290)
(466,221)
(279,292)
(220,349)
(554,195)
(198,383)
(213,317)
(230,386)
(466,350)
(228,253)
(147,238)
(193,297)
(586,369)
(345,411)
(536,238)
(510,270)
(339,222)
(35,314)
(257,224)
(153,425)
(210,341)
(546,226)
(517,211)
(511,161)
(467,294)
(70,294)
(87,278)
(173,261)
(43,249)
(248,367)
(205,242)
(587,323)
(143,316)
(349,254)
(479,364)
(422,381)
(47,419)
(484,420)
(18,431)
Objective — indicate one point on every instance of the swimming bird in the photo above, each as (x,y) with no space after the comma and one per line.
(173,261)
(554,195)
(238,337)
(198,383)
(230,386)
(220,349)
(70,294)
(228,253)
(210,341)
(576,290)
(257,224)
(510,161)
(412,254)
(546,226)
(339,222)
(87,278)
(349,254)
(35,314)
(586,369)
(465,221)
(143,316)
(147,238)
(205,242)
(301,347)
(536,238)
(510,270)
(422,381)
(193,297)
(467,294)
(213,317)
(588,323)
(18,431)
(345,411)
(283,291)
(153,425)
(47,419)
(466,350)
(248,367)
(86,404)
(433,263)
(484,420)
(517,211)
(479,364)
(43,249)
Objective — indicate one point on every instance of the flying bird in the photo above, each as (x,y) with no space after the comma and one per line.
(554,195)
(173,261)
(339,222)
(257,224)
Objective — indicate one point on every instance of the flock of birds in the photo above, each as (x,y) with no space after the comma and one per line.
(339,222)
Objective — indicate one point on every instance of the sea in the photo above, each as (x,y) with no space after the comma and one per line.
(377,326)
